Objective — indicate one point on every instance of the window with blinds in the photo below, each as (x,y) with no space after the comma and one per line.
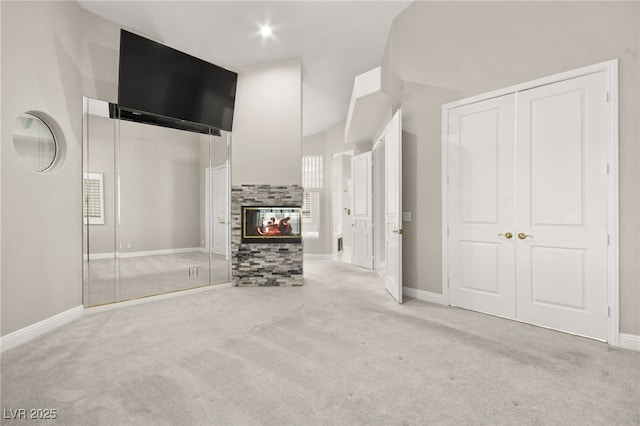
(310,202)
(312,184)
(93,198)
(312,171)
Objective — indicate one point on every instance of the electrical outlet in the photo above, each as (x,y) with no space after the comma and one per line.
(193,271)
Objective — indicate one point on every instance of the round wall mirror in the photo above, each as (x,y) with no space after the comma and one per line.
(34,142)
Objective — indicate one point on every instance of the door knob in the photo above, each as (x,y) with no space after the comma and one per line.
(507,235)
(522,235)
(398,231)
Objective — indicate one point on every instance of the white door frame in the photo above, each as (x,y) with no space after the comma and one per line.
(379,259)
(613,262)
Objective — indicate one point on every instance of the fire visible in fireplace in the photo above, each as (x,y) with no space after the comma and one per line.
(271,224)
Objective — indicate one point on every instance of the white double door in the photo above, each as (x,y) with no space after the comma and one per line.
(527,206)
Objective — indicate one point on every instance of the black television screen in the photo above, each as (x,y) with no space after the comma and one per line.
(160,80)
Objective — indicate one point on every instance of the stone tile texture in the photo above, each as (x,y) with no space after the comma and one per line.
(264,264)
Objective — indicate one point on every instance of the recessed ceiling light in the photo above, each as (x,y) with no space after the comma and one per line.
(266,31)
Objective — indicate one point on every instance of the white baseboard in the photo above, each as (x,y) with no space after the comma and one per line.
(629,341)
(99,256)
(161,252)
(423,295)
(313,256)
(32,331)
(11,340)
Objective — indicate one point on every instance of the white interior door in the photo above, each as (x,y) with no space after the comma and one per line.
(393,206)
(220,211)
(561,207)
(480,148)
(362,222)
(527,205)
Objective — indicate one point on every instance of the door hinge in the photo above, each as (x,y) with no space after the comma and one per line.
(447,282)
(608,239)
(607,168)
(609,311)
(447,232)
(608,97)
(447,180)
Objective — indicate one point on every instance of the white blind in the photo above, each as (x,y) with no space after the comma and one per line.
(93,196)
(310,202)
(312,171)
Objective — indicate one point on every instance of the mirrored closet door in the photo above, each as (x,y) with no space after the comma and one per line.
(156,208)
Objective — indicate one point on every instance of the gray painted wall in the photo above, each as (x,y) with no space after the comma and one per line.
(267,124)
(315,145)
(160,191)
(53,54)
(41,213)
(444,51)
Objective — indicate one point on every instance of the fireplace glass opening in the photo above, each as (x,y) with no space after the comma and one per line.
(271,225)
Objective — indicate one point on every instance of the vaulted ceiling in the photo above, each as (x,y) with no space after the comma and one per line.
(336,40)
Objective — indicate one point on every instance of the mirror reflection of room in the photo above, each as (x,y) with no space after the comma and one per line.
(34,142)
(165,208)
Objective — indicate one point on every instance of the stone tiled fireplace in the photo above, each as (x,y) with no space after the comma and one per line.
(264,264)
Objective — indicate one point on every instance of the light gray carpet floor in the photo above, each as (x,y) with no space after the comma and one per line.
(337,350)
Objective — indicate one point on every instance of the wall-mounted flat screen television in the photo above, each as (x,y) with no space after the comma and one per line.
(271,224)
(159,80)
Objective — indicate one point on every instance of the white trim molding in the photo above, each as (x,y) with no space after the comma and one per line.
(163,252)
(424,295)
(32,331)
(629,341)
(124,255)
(315,256)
